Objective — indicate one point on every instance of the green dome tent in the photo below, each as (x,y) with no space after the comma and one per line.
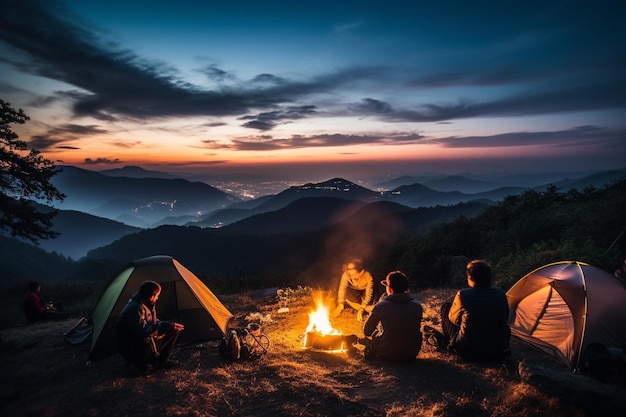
(183,298)
(565,307)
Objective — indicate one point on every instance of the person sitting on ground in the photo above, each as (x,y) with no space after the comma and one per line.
(394,325)
(35,311)
(142,338)
(475,323)
(356,289)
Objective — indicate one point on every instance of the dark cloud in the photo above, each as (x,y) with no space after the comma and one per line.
(259,125)
(90,161)
(64,133)
(372,106)
(216,74)
(269,79)
(601,95)
(126,143)
(113,83)
(77,130)
(265,143)
(42,142)
(116,81)
(579,136)
(268,120)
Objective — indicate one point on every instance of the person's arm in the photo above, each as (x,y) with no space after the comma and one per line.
(166,327)
(455,311)
(343,285)
(341,295)
(136,318)
(371,323)
(369,291)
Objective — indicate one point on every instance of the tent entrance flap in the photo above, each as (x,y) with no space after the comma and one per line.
(545,316)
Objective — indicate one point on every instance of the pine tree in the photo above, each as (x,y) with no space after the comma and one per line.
(24,178)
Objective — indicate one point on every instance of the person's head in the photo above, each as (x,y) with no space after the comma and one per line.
(396,282)
(150,291)
(34,286)
(478,273)
(354,266)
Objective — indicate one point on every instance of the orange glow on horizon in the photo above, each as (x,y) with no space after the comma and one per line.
(159,156)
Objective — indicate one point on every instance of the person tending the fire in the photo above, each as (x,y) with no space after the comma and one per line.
(355,289)
(392,331)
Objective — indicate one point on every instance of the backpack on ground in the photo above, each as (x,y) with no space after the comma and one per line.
(230,346)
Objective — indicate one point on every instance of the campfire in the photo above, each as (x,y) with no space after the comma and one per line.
(320,334)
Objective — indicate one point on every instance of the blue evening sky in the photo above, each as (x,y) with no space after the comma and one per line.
(314,90)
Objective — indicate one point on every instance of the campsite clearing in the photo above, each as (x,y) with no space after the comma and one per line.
(42,375)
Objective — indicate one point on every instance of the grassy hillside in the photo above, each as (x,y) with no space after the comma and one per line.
(42,375)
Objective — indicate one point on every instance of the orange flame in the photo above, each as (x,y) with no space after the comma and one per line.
(319,321)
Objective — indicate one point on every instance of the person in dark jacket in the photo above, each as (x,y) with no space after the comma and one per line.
(394,325)
(35,311)
(142,338)
(475,323)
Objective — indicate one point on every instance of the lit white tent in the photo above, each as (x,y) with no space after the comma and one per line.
(564,307)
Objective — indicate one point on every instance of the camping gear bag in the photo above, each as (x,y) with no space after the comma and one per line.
(248,343)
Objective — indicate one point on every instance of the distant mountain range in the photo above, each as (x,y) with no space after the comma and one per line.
(311,235)
(140,202)
(443,191)
(81,232)
(101,208)
(136,172)
(471,183)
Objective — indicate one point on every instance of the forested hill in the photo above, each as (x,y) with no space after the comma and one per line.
(306,248)
(516,235)
(526,231)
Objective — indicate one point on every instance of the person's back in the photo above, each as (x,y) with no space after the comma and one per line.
(483,330)
(475,323)
(401,317)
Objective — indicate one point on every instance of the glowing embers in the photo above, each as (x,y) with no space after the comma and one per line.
(320,334)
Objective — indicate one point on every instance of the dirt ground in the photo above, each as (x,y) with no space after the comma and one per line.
(43,375)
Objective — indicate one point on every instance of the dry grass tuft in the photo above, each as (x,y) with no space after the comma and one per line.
(42,375)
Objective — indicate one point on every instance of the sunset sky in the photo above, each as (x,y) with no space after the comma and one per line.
(315,90)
